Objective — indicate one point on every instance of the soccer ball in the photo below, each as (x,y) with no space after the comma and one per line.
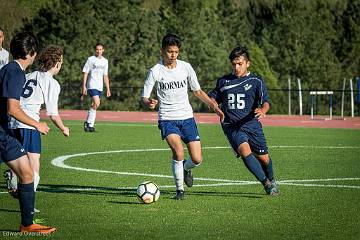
(148,192)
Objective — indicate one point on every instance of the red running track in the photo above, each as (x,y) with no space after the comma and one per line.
(211,118)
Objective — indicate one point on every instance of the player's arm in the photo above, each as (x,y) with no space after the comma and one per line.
(56,119)
(261,111)
(146,92)
(200,94)
(85,77)
(149,102)
(107,85)
(15,111)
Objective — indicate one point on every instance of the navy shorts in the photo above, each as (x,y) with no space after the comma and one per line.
(186,129)
(10,148)
(250,132)
(29,138)
(94,92)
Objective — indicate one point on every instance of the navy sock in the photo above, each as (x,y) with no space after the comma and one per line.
(27,201)
(254,167)
(268,170)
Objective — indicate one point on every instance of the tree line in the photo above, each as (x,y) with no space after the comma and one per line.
(317,41)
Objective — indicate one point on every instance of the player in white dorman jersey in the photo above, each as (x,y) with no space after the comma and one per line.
(176,120)
(95,73)
(40,88)
(4,55)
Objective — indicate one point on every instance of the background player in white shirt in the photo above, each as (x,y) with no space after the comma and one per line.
(40,87)
(95,74)
(176,120)
(4,55)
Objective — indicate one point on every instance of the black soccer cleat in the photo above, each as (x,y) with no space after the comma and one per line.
(86,127)
(188,178)
(271,188)
(180,194)
(91,129)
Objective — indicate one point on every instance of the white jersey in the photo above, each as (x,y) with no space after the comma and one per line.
(39,88)
(172,89)
(4,57)
(96,68)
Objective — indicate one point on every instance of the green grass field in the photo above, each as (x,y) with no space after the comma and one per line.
(318,171)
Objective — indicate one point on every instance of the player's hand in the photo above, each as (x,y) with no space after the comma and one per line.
(66,131)
(84,91)
(152,103)
(220,114)
(43,128)
(108,93)
(259,114)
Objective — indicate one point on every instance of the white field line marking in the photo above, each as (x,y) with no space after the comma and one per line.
(115,124)
(59,162)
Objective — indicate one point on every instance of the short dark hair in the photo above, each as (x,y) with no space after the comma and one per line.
(49,57)
(239,51)
(171,40)
(22,44)
(1,29)
(99,44)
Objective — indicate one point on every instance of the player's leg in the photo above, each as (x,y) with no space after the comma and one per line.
(175,144)
(91,117)
(192,139)
(171,133)
(251,162)
(15,157)
(258,146)
(35,165)
(193,161)
(22,168)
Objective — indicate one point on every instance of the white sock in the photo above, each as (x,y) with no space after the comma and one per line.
(91,117)
(178,173)
(189,164)
(14,181)
(36,180)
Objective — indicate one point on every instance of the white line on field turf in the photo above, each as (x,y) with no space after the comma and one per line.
(59,162)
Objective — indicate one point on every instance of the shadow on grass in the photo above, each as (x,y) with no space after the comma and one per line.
(96,190)
(9,210)
(86,190)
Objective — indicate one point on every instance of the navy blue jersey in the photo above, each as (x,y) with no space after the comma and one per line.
(239,97)
(12,80)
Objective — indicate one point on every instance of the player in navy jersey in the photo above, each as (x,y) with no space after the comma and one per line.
(23,48)
(244,100)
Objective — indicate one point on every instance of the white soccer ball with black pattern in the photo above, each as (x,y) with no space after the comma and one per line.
(148,192)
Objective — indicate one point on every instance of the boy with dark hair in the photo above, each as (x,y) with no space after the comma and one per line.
(244,100)
(176,120)
(23,47)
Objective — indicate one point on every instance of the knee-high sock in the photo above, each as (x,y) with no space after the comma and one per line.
(36,180)
(189,164)
(178,173)
(254,167)
(268,170)
(91,117)
(27,202)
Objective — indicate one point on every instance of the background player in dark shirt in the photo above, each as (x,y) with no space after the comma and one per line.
(244,100)
(23,48)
